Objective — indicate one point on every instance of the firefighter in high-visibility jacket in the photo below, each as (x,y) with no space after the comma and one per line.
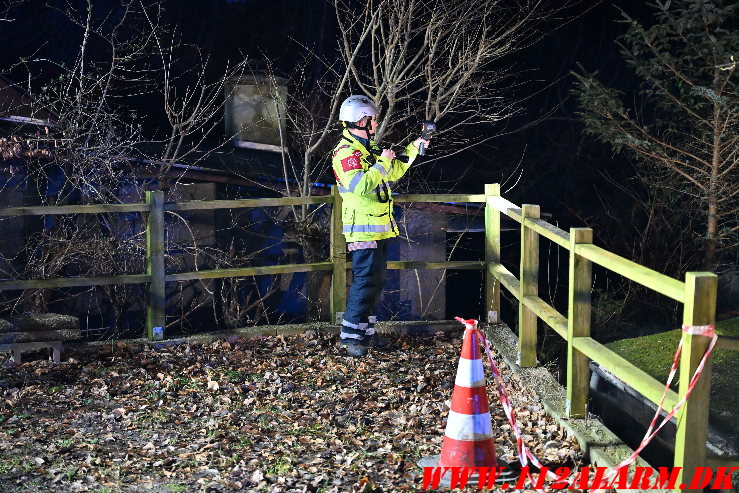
(364,174)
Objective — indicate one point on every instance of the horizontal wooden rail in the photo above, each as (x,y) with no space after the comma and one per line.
(193,205)
(625,371)
(728,343)
(454,265)
(442,197)
(67,282)
(643,275)
(506,278)
(508,208)
(220,204)
(549,231)
(175,206)
(248,271)
(43,210)
(70,282)
(548,314)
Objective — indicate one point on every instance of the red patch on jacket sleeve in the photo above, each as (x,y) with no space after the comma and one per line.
(351,162)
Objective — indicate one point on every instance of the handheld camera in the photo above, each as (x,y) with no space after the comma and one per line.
(427,128)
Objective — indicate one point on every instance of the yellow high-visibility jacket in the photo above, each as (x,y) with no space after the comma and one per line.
(364,178)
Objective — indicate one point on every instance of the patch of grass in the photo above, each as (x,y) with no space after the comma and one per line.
(654,353)
(14,464)
(64,442)
(264,423)
(191,463)
(269,408)
(179,381)
(143,418)
(280,466)
(175,488)
(226,461)
(729,327)
(8,465)
(237,376)
(245,442)
(298,430)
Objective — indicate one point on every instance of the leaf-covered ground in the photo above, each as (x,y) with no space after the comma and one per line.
(273,414)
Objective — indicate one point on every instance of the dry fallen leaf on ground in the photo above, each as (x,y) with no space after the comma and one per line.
(283,414)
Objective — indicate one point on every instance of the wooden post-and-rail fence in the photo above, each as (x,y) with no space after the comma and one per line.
(697,293)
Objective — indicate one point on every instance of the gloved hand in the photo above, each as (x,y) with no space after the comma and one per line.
(388,153)
(423,141)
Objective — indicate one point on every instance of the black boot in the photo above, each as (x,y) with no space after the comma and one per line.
(355,348)
(375,340)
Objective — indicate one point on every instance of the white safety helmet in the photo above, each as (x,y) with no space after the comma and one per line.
(356,107)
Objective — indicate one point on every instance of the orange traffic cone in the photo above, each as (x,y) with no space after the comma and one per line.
(468,439)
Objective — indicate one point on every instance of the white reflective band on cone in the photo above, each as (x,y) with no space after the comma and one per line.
(470,373)
(468,426)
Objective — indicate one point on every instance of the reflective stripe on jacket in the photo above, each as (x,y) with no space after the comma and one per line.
(362,178)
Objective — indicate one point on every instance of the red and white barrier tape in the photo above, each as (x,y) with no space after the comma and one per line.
(703,330)
(525,455)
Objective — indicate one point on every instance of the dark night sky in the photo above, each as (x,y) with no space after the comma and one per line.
(552,149)
(272,29)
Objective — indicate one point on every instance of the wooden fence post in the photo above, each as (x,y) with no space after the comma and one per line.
(692,422)
(578,323)
(155,312)
(338,258)
(492,253)
(527,319)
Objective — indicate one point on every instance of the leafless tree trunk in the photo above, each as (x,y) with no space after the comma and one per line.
(418,60)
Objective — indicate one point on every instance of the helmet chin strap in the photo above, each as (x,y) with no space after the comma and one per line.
(366,128)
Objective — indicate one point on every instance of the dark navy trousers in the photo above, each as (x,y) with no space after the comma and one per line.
(369,270)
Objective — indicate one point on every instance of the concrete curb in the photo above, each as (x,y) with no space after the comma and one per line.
(416,327)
